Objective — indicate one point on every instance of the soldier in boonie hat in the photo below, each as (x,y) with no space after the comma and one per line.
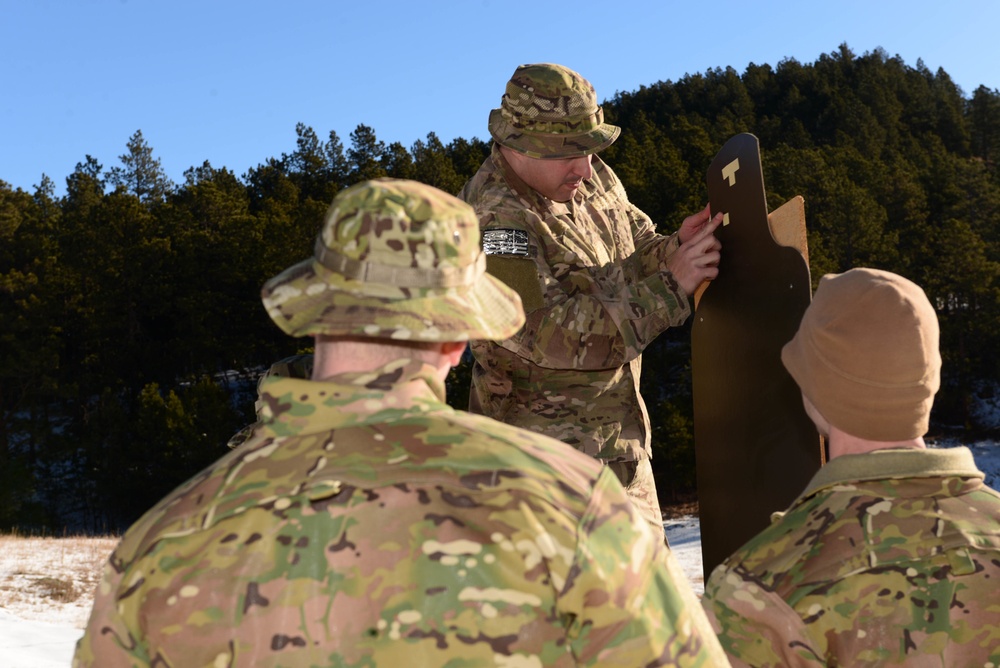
(399,260)
(550,111)
(596,279)
(367,522)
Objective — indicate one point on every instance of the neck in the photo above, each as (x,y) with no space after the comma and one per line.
(842,443)
(338,355)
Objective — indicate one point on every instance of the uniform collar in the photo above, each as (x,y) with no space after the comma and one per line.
(292,406)
(895,464)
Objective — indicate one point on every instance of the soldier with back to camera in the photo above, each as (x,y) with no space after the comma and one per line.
(891,555)
(365,522)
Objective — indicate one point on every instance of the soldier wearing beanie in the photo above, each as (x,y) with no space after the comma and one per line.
(597,282)
(364,521)
(891,556)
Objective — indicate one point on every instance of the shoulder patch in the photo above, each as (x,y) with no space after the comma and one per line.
(505,242)
(521,274)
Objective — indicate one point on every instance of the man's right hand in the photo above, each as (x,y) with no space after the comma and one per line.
(697,259)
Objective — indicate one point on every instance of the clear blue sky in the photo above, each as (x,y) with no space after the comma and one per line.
(227,81)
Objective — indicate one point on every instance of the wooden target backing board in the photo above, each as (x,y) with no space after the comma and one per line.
(755,447)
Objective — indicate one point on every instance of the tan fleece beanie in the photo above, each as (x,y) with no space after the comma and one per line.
(866,354)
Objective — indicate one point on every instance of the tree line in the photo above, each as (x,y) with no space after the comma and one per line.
(131,329)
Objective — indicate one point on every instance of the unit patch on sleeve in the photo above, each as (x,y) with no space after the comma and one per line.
(505,242)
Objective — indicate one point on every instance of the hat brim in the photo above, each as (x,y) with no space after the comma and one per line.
(546,145)
(308,299)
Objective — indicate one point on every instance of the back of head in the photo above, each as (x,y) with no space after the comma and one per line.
(866,355)
(399,260)
(550,111)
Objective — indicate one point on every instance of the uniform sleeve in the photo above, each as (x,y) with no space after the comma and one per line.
(597,317)
(651,248)
(755,626)
(106,640)
(630,603)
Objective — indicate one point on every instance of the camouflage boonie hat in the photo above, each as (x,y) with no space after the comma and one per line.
(550,111)
(296,366)
(395,259)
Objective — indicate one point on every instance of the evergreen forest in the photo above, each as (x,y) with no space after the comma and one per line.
(131,328)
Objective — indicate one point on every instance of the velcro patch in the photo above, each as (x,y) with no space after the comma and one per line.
(520,274)
(505,242)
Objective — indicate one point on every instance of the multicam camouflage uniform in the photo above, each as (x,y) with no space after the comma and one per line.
(296,366)
(889,558)
(589,273)
(367,523)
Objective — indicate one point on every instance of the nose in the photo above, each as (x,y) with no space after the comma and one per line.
(581,167)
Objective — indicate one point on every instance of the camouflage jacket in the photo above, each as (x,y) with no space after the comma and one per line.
(890,558)
(595,263)
(367,523)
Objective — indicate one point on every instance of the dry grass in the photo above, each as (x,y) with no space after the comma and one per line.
(678,510)
(681,505)
(51,579)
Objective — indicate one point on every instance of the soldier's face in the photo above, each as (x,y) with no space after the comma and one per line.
(556,178)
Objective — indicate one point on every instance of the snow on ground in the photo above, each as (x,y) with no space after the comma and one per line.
(39,624)
(46,590)
(684,536)
(27,644)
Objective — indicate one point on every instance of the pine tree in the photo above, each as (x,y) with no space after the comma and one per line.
(141,174)
(365,155)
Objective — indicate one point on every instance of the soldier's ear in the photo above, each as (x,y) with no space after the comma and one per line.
(452,351)
(822,425)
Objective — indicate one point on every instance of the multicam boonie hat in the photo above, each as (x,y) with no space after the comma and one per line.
(296,366)
(550,111)
(395,259)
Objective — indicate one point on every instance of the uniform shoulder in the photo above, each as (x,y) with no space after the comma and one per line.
(785,546)
(603,171)
(515,447)
(176,513)
(603,189)
(500,202)
(486,179)
(203,499)
(843,529)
